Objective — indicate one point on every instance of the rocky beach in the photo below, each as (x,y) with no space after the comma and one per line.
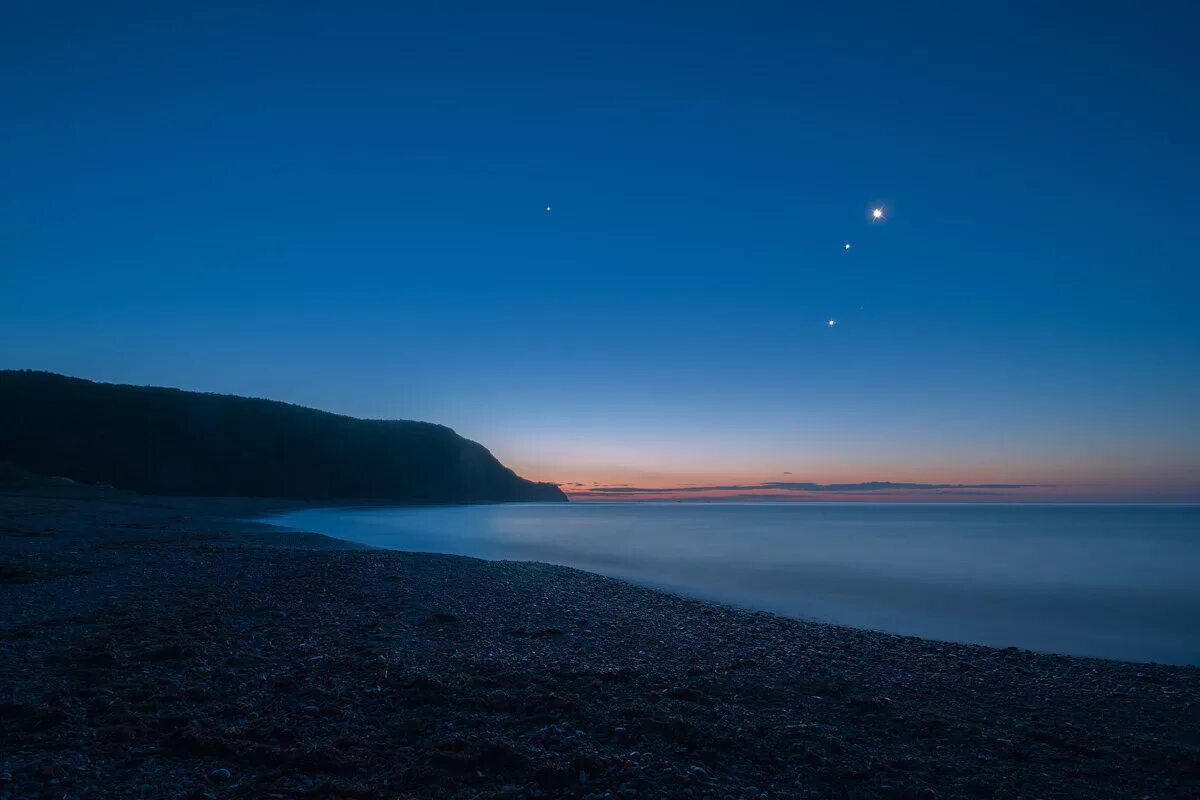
(171,648)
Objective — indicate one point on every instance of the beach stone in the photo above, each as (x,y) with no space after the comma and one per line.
(335,699)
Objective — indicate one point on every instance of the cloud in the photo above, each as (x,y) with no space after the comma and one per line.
(964,489)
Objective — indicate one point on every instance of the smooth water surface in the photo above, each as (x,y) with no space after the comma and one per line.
(1112,581)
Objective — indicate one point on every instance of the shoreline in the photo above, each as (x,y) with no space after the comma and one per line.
(182,651)
(1094,631)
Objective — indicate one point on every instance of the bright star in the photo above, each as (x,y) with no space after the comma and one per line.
(877,213)
(846,246)
(832,322)
(547,208)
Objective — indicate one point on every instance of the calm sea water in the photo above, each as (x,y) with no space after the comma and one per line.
(1111,581)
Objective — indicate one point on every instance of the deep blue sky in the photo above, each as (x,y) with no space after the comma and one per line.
(342,205)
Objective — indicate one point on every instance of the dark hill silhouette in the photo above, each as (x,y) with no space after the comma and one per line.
(168,441)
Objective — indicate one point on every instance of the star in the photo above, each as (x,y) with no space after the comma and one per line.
(877,213)
(846,246)
(832,322)
(547,209)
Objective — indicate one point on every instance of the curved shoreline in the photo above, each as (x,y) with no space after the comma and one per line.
(952,594)
(174,642)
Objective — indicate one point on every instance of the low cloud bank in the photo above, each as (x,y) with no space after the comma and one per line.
(868,486)
(784,489)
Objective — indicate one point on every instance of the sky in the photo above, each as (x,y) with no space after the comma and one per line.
(345,206)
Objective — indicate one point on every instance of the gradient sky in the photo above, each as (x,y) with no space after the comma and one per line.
(342,205)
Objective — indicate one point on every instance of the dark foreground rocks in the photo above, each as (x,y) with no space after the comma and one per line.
(162,649)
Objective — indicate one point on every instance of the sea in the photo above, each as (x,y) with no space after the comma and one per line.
(1111,581)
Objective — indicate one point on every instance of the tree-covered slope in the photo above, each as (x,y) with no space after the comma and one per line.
(167,441)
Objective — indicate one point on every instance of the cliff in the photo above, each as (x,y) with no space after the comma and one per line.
(168,441)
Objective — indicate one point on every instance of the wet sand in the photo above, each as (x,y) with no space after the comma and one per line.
(164,648)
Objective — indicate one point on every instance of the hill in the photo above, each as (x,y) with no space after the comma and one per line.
(168,441)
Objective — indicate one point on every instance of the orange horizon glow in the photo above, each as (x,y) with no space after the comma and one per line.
(1105,483)
(590,468)
(966,493)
